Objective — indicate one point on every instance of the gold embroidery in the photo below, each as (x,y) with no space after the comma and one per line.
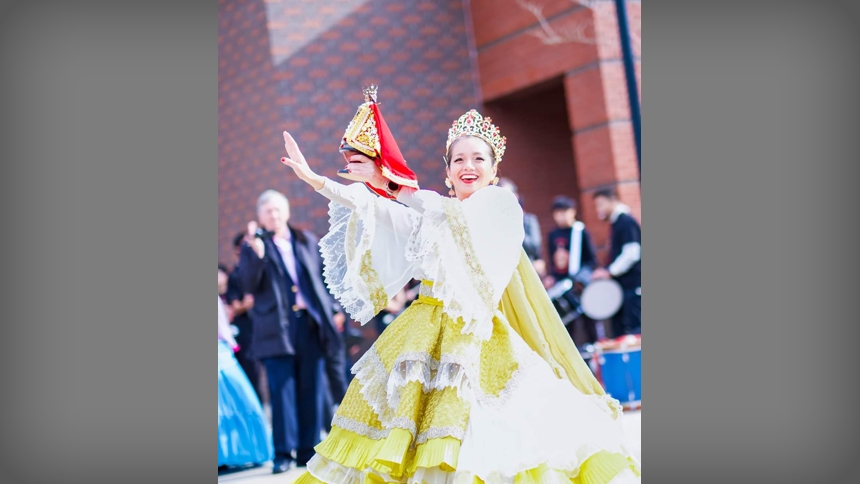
(464,241)
(420,335)
(355,408)
(498,363)
(361,133)
(435,402)
(376,291)
(370,277)
(444,410)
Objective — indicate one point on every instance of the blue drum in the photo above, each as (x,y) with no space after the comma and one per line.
(621,369)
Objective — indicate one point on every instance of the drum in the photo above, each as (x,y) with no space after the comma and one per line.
(564,301)
(620,363)
(602,299)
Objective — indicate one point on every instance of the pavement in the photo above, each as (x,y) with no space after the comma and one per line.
(263,474)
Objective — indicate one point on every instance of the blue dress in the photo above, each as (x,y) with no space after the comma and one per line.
(244,436)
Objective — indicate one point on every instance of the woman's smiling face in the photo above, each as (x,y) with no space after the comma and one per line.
(470,166)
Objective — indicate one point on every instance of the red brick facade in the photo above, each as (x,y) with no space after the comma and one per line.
(299,65)
(513,61)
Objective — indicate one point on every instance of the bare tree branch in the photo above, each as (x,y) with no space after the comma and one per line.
(550,35)
(576,32)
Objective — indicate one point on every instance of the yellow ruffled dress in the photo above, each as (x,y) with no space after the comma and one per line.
(477,381)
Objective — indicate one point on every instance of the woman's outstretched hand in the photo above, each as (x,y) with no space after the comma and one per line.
(297,162)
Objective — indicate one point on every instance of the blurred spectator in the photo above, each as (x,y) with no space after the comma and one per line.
(569,246)
(572,258)
(532,240)
(222,288)
(243,433)
(240,302)
(222,279)
(225,334)
(625,252)
(293,326)
(335,375)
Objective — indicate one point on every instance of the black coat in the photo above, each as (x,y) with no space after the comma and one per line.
(272,312)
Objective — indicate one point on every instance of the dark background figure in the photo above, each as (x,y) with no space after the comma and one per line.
(293,327)
(240,302)
(625,254)
(222,281)
(223,287)
(571,257)
(335,374)
(532,240)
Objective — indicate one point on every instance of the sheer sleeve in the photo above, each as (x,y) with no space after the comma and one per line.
(364,251)
(469,250)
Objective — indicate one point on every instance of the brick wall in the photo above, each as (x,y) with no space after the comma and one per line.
(539,156)
(513,60)
(299,66)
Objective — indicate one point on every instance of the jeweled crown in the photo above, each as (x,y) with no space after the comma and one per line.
(473,124)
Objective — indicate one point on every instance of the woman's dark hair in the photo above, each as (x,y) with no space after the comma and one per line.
(223,268)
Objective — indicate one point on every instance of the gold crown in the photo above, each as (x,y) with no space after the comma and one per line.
(361,133)
(473,124)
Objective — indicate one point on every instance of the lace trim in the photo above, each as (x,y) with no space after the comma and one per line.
(403,423)
(370,372)
(337,249)
(412,366)
(359,428)
(381,390)
(454,375)
(440,432)
(347,262)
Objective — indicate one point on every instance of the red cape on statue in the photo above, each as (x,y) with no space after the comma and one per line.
(368,133)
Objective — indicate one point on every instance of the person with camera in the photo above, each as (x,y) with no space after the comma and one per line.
(293,327)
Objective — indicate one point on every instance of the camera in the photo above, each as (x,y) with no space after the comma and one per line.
(261,233)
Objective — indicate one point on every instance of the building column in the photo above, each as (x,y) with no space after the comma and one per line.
(603,141)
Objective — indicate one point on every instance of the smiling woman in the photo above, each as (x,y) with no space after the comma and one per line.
(478,380)
(469,166)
